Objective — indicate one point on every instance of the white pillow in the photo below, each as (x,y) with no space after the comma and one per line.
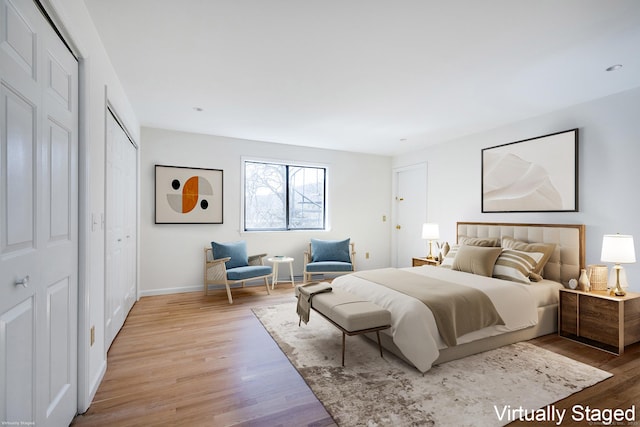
(516,265)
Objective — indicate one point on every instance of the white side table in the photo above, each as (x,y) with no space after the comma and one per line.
(277,260)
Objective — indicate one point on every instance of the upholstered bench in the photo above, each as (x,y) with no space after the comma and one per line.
(350,314)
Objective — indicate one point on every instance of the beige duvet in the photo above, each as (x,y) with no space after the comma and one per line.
(413,326)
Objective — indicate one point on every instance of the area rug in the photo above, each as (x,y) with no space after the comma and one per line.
(480,390)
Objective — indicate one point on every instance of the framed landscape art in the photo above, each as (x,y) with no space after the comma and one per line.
(533,175)
(188,195)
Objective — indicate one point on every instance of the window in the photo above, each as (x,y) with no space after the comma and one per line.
(283,197)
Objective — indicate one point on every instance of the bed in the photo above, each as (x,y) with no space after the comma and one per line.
(525,310)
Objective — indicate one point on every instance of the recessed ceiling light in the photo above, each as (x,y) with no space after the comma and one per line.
(614,67)
(197,108)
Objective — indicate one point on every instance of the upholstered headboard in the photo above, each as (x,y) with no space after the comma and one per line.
(568,257)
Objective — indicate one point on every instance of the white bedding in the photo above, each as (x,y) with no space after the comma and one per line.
(413,326)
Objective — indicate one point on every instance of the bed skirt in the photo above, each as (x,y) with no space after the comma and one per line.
(547,324)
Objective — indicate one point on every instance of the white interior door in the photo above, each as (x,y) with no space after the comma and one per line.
(410,213)
(121,223)
(39,221)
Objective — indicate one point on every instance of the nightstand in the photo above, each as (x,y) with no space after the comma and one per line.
(418,261)
(597,319)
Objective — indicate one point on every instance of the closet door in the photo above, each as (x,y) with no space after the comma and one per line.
(121,222)
(38,220)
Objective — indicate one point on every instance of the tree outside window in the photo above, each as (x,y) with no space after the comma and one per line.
(283,197)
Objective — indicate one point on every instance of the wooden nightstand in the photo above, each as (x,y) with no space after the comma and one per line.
(597,319)
(418,261)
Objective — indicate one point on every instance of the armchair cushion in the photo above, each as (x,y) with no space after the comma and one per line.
(236,250)
(247,272)
(330,250)
(328,266)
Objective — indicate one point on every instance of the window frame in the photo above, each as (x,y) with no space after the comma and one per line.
(287,164)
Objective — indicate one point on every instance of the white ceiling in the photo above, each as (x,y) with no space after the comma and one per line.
(376,76)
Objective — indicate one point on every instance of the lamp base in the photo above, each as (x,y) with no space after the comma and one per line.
(618,291)
(430,256)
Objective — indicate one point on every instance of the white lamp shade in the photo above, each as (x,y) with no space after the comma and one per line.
(430,231)
(618,248)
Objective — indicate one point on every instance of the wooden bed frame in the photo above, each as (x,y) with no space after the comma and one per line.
(564,264)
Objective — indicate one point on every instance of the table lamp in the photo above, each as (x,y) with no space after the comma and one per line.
(430,232)
(618,249)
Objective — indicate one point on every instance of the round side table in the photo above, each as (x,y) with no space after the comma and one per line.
(277,260)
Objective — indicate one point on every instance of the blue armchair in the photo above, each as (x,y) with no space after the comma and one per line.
(329,257)
(228,263)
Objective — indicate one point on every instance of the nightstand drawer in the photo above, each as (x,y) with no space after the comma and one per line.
(569,313)
(418,261)
(632,321)
(599,319)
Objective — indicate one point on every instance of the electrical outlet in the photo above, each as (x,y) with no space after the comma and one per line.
(366,255)
(384,218)
(93,336)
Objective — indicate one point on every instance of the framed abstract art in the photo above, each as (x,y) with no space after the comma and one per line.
(188,195)
(533,175)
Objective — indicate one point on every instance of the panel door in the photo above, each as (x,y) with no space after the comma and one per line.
(121,223)
(411,213)
(38,220)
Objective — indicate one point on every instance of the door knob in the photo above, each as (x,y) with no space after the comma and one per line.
(398,227)
(24,282)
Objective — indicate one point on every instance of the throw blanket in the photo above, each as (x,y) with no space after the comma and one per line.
(457,309)
(306,292)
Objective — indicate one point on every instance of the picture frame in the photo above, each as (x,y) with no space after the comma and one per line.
(532,175)
(185,195)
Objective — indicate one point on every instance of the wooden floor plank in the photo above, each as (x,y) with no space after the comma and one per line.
(186,359)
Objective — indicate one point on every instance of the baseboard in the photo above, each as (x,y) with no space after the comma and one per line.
(93,388)
(167,291)
(196,288)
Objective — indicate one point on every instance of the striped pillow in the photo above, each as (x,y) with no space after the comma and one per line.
(546,249)
(447,262)
(516,265)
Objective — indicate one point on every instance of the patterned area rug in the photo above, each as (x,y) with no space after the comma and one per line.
(372,391)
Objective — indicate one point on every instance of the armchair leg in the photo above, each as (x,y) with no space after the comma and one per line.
(229,293)
(266,283)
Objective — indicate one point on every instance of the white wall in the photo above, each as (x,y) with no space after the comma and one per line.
(97,77)
(609,174)
(172,254)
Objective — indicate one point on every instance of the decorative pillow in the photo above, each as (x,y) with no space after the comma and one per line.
(330,250)
(535,277)
(236,250)
(545,248)
(479,241)
(475,259)
(516,265)
(447,262)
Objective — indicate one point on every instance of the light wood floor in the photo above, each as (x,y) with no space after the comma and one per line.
(187,359)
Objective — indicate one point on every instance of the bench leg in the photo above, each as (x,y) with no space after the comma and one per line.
(379,345)
(343,344)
